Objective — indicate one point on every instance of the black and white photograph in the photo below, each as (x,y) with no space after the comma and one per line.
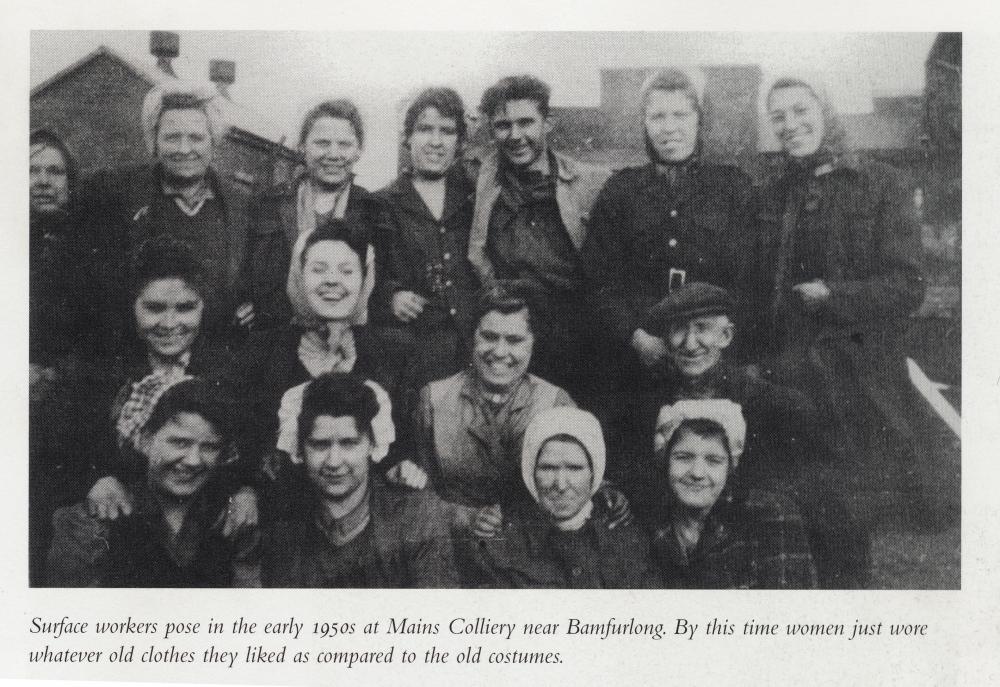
(595,310)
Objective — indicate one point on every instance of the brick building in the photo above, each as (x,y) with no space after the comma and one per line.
(94,105)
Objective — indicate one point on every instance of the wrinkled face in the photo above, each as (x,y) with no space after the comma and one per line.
(168,316)
(698,470)
(48,185)
(519,131)
(433,143)
(183,454)
(337,456)
(563,477)
(331,148)
(332,276)
(695,346)
(797,119)
(184,144)
(501,348)
(671,125)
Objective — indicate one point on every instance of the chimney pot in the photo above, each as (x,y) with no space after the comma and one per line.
(164,44)
(222,72)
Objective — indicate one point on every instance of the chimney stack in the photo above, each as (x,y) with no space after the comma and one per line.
(165,45)
(223,74)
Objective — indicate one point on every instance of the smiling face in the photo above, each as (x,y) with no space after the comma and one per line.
(671,125)
(698,470)
(501,349)
(563,477)
(796,116)
(182,455)
(331,148)
(433,144)
(184,144)
(519,131)
(332,277)
(695,346)
(48,174)
(337,456)
(168,316)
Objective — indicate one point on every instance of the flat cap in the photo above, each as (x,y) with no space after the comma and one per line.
(691,300)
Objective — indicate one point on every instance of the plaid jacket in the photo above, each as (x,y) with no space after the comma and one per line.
(755,541)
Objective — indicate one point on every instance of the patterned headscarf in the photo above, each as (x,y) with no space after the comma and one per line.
(139,405)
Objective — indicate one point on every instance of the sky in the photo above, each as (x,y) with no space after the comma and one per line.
(279,75)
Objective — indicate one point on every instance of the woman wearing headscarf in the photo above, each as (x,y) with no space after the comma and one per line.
(179,193)
(844,254)
(331,141)
(653,228)
(183,428)
(566,537)
(716,534)
(330,280)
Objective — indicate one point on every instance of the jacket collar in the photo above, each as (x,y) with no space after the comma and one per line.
(457,194)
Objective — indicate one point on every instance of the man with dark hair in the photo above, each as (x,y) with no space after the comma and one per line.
(429,285)
(173,537)
(353,530)
(529,223)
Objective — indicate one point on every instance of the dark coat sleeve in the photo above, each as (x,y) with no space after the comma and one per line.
(887,231)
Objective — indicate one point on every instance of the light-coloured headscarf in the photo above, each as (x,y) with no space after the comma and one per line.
(383,429)
(572,422)
(722,411)
(304,315)
(834,145)
(208,99)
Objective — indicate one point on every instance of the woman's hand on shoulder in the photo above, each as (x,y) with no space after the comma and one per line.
(408,474)
(108,499)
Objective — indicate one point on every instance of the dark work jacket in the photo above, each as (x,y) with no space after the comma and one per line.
(269,365)
(123,208)
(60,293)
(133,551)
(273,231)
(782,443)
(755,541)
(871,262)
(429,256)
(529,552)
(640,229)
(407,545)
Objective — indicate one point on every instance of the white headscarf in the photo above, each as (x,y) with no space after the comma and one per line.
(569,421)
(383,430)
(205,93)
(722,411)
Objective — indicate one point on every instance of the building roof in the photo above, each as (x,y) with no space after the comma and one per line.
(237,115)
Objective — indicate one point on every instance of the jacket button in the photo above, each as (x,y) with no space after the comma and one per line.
(448,283)
(447,256)
(577,571)
(453,311)
(672,243)
(673,213)
(442,230)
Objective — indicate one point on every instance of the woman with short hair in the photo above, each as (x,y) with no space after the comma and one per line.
(428,289)
(331,141)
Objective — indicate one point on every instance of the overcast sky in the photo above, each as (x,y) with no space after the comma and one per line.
(280,74)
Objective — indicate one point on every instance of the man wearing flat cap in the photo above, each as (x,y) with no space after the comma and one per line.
(783,450)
